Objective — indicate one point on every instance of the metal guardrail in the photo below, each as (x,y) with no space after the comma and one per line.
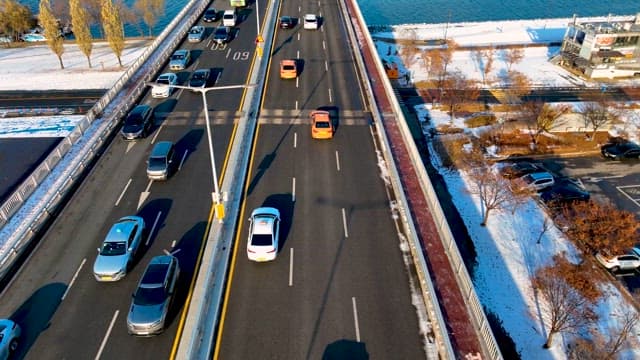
(24,213)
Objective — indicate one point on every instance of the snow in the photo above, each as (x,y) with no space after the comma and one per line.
(507,248)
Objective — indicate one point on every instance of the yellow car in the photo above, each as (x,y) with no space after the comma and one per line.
(321,125)
(288,69)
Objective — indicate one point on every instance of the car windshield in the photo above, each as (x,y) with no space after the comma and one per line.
(288,67)
(261,240)
(163,81)
(113,248)
(322,124)
(177,57)
(146,296)
(195,31)
(210,12)
(198,76)
(221,32)
(310,19)
(134,120)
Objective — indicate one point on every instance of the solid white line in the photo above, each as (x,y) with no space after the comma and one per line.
(208,43)
(293,193)
(295,140)
(330,98)
(326,65)
(337,160)
(355,318)
(182,160)
(627,195)
(123,191)
(152,228)
(179,93)
(148,186)
(73,279)
(344,223)
(155,136)
(291,267)
(106,336)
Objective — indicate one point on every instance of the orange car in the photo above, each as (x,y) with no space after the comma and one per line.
(288,69)
(321,125)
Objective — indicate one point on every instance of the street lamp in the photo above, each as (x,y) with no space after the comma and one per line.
(215,195)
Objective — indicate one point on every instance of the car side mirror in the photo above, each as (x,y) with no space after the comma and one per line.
(130,249)
(98,249)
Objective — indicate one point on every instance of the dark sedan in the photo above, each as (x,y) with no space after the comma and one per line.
(200,78)
(565,191)
(519,169)
(210,15)
(621,151)
(286,22)
(138,123)
(222,34)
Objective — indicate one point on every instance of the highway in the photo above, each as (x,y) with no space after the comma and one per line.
(339,286)
(64,312)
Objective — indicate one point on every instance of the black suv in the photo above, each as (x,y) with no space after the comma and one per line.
(210,15)
(138,122)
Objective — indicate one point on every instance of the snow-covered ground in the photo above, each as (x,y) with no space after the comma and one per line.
(506,254)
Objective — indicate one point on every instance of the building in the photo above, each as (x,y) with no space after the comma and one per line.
(603,49)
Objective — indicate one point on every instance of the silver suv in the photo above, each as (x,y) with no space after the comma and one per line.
(628,262)
(160,163)
(153,297)
(119,248)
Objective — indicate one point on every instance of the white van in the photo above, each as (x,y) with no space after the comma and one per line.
(229,18)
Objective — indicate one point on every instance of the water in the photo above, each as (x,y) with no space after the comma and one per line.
(394,12)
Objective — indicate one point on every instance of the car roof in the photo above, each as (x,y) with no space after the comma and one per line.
(121,230)
(139,109)
(226,12)
(181,52)
(540,175)
(167,75)
(320,115)
(161,148)
(263,224)
(287,62)
(310,16)
(157,270)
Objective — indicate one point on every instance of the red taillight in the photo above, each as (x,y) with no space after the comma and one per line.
(272,251)
(251,251)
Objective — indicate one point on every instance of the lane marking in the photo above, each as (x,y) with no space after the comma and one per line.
(324,45)
(355,318)
(228,53)
(73,279)
(295,140)
(208,43)
(627,195)
(179,93)
(155,136)
(293,192)
(326,65)
(330,97)
(298,36)
(296,105)
(106,336)
(298,55)
(344,223)
(153,228)
(123,191)
(184,156)
(173,244)
(297,82)
(291,267)
(337,160)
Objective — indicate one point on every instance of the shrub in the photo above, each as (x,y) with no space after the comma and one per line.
(480,120)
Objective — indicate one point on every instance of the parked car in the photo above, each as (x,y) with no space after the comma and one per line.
(196,34)
(164,88)
(621,151)
(310,22)
(161,161)
(321,125)
(200,78)
(153,296)
(210,15)
(286,22)
(138,123)
(10,333)
(627,262)
(119,249)
(222,35)
(179,60)
(519,169)
(564,191)
(538,180)
(264,228)
(288,69)
(229,18)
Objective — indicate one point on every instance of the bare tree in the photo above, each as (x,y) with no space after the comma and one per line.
(447,57)
(546,225)
(601,227)
(596,114)
(513,56)
(622,337)
(81,30)
(435,65)
(488,64)
(14,18)
(51,30)
(456,89)
(569,297)
(113,27)
(541,117)
(607,345)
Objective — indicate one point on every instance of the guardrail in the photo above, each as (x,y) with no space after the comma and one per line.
(24,213)
(464,281)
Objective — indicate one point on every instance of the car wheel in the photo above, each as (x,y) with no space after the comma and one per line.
(13,346)
(615,269)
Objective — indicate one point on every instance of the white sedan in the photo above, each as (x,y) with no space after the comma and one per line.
(164,88)
(264,227)
(311,22)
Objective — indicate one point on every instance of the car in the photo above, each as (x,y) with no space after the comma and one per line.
(286,22)
(196,34)
(179,60)
(565,191)
(160,164)
(200,78)
(264,228)
(310,22)
(288,69)
(10,333)
(621,151)
(164,88)
(138,123)
(537,181)
(229,18)
(119,249)
(627,262)
(321,125)
(519,169)
(153,297)
(210,15)
(222,35)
